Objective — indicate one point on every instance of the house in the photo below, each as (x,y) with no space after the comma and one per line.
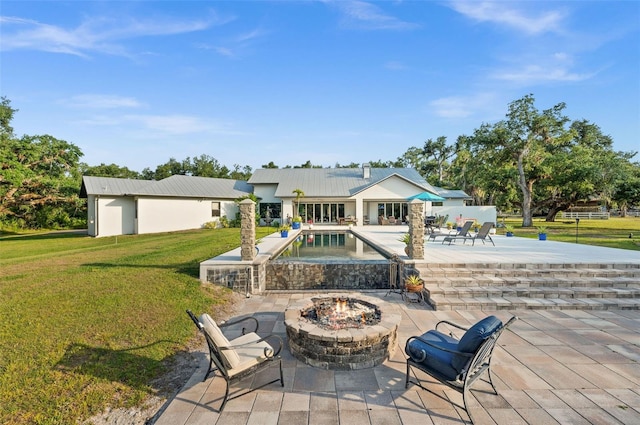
(126,206)
(331,196)
(333,193)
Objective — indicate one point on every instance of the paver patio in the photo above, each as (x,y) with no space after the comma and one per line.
(550,367)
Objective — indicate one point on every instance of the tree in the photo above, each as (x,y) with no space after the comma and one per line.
(586,167)
(524,140)
(39,178)
(299,195)
(432,160)
(111,170)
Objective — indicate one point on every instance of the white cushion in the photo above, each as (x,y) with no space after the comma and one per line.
(251,354)
(229,357)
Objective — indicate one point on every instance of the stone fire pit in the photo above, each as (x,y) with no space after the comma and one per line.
(363,340)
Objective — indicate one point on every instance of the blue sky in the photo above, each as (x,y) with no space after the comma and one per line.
(248,82)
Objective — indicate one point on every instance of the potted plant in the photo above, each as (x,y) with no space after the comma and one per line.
(542,233)
(508,228)
(406,239)
(297,222)
(413,283)
(284,230)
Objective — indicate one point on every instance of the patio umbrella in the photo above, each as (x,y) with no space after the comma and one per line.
(426,197)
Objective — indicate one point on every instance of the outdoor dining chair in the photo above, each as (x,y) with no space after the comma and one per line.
(457,363)
(240,357)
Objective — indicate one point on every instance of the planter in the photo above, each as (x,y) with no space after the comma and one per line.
(295,225)
(284,233)
(415,288)
(509,234)
(542,236)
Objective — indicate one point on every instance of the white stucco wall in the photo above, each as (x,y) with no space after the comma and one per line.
(480,214)
(115,216)
(172,214)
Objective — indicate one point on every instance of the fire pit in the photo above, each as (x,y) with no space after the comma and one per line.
(342,332)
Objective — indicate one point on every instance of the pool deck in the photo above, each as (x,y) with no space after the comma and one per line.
(551,367)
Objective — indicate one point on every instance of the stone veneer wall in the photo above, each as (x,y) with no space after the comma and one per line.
(299,275)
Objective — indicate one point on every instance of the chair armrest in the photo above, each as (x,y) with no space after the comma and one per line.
(251,319)
(446,322)
(270,336)
(406,349)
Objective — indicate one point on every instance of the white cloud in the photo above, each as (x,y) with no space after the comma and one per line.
(533,74)
(504,13)
(93,35)
(179,124)
(362,15)
(101,101)
(395,66)
(462,106)
(235,46)
(556,67)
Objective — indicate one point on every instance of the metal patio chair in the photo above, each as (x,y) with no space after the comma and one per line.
(240,357)
(457,363)
(482,235)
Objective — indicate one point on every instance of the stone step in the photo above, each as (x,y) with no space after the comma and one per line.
(516,303)
(532,286)
(532,281)
(532,292)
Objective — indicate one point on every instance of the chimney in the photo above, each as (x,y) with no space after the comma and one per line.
(366,170)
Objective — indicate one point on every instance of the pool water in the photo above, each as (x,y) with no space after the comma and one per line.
(330,246)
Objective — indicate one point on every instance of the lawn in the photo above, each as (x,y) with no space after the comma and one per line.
(89,323)
(612,233)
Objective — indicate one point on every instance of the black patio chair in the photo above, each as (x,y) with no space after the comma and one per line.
(482,235)
(464,231)
(240,357)
(457,363)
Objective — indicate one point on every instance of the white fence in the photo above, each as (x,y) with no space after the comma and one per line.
(603,215)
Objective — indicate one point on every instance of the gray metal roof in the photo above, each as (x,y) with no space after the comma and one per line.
(452,194)
(178,185)
(332,182)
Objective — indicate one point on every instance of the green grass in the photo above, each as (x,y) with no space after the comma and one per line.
(89,323)
(612,233)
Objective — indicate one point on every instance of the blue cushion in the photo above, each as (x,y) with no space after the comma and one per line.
(436,359)
(473,337)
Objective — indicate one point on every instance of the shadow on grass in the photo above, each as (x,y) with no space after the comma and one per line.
(123,366)
(189,269)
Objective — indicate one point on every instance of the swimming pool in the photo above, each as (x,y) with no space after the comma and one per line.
(329,260)
(323,246)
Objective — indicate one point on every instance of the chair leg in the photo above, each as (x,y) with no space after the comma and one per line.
(226,397)
(209,370)
(406,384)
(281,377)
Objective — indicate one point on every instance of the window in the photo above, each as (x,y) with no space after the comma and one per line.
(215,209)
(270,210)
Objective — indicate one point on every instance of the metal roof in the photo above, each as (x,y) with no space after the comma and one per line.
(332,182)
(178,186)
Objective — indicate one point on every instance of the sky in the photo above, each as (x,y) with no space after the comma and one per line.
(136,83)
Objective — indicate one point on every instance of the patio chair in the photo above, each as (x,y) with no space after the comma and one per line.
(457,363)
(240,357)
(482,235)
(464,231)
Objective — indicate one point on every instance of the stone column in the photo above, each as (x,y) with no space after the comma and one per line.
(247,230)
(416,229)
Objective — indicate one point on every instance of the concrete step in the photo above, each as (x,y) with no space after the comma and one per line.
(532,292)
(532,286)
(515,303)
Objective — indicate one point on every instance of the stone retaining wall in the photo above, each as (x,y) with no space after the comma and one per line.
(301,275)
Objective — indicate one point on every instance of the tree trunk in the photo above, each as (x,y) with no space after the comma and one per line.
(527,188)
